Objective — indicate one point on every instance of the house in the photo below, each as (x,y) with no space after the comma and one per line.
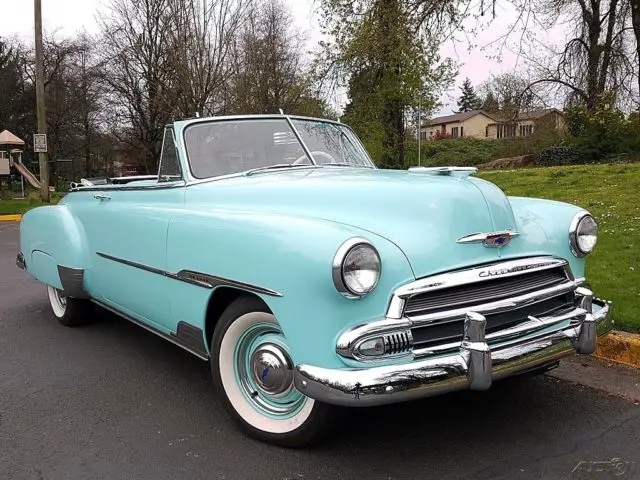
(544,119)
(466,124)
(480,124)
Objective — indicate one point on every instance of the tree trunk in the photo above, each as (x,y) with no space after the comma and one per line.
(635,21)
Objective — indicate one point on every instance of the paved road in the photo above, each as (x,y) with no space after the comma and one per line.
(111,401)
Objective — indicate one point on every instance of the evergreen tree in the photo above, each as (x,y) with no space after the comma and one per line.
(469,100)
(491,104)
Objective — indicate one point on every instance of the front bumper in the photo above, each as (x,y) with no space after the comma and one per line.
(475,365)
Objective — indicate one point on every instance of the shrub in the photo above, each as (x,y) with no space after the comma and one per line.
(557,155)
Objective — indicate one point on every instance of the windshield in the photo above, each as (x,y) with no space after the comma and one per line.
(232,146)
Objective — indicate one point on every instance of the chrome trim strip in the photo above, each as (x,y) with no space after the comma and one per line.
(199,279)
(126,188)
(481,237)
(465,368)
(170,338)
(210,281)
(129,263)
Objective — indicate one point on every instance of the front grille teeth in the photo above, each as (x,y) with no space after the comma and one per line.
(397,343)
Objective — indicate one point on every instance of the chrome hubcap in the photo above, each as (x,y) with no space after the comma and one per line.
(272,370)
(264,372)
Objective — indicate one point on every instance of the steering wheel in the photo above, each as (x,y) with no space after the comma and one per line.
(300,160)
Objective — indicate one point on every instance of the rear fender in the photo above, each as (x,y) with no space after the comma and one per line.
(55,248)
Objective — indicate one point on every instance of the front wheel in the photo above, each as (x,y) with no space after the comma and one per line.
(70,312)
(251,365)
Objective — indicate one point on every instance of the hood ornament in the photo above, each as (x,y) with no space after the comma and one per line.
(491,239)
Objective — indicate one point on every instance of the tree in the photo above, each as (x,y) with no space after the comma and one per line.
(635,22)
(271,73)
(468,101)
(134,47)
(508,94)
(490,103)
(375,51)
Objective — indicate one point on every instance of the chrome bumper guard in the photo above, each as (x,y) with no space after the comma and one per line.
(475,364)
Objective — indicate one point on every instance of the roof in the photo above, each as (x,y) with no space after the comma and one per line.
(8,138)
(459,117)
(536,114)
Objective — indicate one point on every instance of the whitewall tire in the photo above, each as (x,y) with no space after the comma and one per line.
(70,312)
(252,367)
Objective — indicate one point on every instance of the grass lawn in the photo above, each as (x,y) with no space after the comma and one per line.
(612,194)
(11,207)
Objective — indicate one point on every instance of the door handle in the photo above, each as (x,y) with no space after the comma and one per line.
(99,196)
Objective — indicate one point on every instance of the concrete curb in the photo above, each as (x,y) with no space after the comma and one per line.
(10,218)
(620,347)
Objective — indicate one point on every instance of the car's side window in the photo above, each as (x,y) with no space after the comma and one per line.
(169,170)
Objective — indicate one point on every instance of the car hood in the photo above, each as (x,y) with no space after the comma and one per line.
(422,214)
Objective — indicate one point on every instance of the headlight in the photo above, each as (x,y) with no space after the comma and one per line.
(583,234)
(356,268)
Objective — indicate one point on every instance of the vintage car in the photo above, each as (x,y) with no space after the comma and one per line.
(272,247)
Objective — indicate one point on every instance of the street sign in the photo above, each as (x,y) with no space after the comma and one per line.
(40,143)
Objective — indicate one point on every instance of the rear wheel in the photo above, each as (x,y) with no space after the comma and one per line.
(251,365)
(70,312)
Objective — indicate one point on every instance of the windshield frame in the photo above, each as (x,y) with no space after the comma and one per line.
(289,119)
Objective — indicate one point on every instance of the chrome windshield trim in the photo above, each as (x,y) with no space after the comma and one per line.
(299,137)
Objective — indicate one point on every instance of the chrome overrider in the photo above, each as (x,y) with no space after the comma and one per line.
(476,361)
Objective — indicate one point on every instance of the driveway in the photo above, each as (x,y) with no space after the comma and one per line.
(112,401)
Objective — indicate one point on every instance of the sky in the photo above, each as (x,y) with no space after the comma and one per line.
(475,62)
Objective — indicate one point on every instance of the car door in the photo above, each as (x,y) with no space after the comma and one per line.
(127,231)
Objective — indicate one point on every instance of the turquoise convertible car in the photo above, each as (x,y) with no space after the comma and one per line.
(273,248)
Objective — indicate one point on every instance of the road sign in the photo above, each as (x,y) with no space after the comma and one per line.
(40,143)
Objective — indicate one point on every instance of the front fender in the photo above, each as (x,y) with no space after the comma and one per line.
(544,228)
(291,256)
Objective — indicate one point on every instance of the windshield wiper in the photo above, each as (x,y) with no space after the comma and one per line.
(274,167)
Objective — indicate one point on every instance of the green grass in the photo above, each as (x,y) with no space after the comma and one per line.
(612,194)
(11,207)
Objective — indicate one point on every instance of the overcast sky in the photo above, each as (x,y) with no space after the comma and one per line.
(69,16)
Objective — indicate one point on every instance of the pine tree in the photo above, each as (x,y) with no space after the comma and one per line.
(468,101)
(491,104)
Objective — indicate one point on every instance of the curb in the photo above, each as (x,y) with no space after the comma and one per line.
(620,347)
(10,218)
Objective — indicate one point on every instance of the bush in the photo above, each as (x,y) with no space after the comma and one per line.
(557,155)
(474,151)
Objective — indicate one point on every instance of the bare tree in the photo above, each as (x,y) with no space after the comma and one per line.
(201,46)
(134,47)
(271,72)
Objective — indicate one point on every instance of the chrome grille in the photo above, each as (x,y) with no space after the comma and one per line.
(469,295)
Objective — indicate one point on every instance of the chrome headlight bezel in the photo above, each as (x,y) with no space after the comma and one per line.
(574,228)
(337,270)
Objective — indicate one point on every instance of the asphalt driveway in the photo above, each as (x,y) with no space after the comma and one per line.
(112,401)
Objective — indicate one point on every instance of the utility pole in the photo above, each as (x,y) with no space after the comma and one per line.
(40,106)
